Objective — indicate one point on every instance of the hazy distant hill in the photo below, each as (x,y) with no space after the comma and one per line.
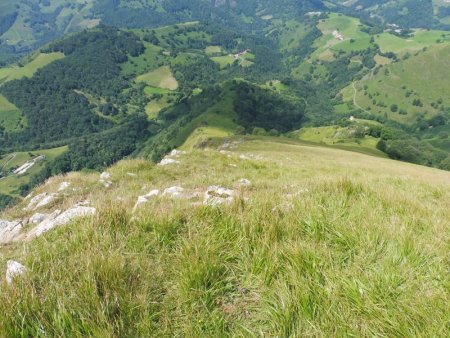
(27,24)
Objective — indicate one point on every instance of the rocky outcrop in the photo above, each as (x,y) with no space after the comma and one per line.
(174,192)
(13,270)
(215,195)
(9,231)
(57,219)
(167,161)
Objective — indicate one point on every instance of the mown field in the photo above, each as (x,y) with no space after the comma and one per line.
(323,243)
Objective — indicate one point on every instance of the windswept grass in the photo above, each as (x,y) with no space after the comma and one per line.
(325,243)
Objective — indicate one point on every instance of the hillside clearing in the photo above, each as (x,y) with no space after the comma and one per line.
(161,78)
(39,61)
(11,183)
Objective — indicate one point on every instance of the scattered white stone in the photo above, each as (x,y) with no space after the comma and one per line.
(132,174)
(38,218)
(141,200)
(9,231)
(168,161)
(152,193)
(105,176)
(63,186)
(105,179)
(46,201)
(35,200)
(217,195)
(243,182)
(13,270)
(107,184)
(174,192)
(57,219)
(177,153)
(232,165)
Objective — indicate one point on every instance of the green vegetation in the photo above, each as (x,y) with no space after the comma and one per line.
(419,40)
(404,83)
(324,243)
(403,13)
(211,50)
(11,184)
(10,117)
(355,138)
(28,70)
(55,111)
(141,63)
(160,78)
(186,80)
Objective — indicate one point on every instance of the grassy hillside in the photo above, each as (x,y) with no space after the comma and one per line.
(349,138)
(404,13)
(38,61)
(420,77)
(323,243)
(10,184)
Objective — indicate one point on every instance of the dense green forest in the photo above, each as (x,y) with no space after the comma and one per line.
(57,110)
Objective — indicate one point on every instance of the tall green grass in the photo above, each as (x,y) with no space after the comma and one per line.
(349,254)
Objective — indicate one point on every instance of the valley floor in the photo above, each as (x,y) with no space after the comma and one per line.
(309,241)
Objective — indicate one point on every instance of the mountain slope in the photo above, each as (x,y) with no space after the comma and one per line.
(402,13)
(309,246)
(26,25)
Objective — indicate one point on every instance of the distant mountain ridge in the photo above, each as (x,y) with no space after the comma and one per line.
(28,24)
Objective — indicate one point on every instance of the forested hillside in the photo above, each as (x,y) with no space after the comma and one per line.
(401,13)
(28,24)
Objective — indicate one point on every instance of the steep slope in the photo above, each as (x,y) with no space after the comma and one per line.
(309,241)
(150,89)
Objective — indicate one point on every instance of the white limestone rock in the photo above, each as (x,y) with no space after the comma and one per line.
(152,193)
(167,161)
(176,153)
(141,200)
(107,184)
(13,270)
(9,231)
(174,192)
(63,186)
(57,219)
(243,182)
(215,195)
(35,200)
(37,218)
(105,176)
(105,179)
(46,201)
